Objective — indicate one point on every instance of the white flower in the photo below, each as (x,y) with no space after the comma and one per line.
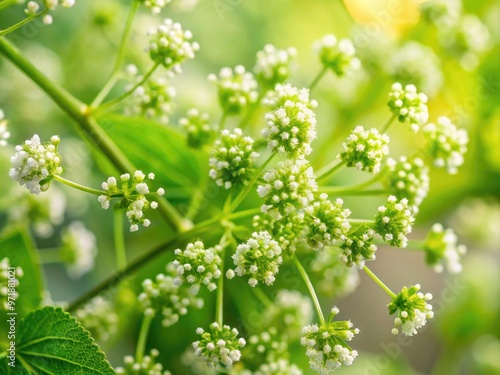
(394,221)
(408,105)
(99,317)
(273,65)
(340,56)
(286,92)
(441,247)
(156,5)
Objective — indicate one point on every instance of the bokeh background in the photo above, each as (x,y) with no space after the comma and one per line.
(462,81)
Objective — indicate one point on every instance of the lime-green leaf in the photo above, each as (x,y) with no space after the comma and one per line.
(17,246)
(160,149)
(51,341)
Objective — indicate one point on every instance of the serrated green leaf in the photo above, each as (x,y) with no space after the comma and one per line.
(160,149)
(17,246)
(51,341)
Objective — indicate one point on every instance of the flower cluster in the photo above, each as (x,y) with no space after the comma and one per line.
(441,12)
(164,295)
(326,222)
(446,143)
(260,257)
(326,344)
(8,284)
(408,105)
(33,7)
(155,5)
(340,56)
(441,247)
(335,279)
(133,190)
(99,318)
(35,163)
(196,124)
(288,231)
(289,187)
(364,149)
(358,248)
(286,92)
(418,64)
(4,133)
(291,129)
(78,249)
(153,99)
(273,65)
(412,310)
(197,265)
(232,159)
(408,178)
(237,89)
(147,366)
(219,345)
(393,221)
(170,45)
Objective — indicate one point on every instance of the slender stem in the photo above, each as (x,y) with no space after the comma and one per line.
(358,187)
(50,255)
(239,198)
(222,122)
(105,90)
(118,99)
(20,24)
(6,3)
(219,307)
(352,192)
(251,111)
(121,255)
(361,221)
(77,186)
(245,213)
(126,32)
(143,336)
(388,123)
(329,169)
(318,78)
(379,282)
(263,297)
(310,287)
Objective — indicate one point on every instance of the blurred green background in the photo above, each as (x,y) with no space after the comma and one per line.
(78,52)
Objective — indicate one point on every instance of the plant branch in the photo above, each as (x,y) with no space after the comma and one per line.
(310,287)
(143,336)
(20,24)
(379,282)
(318,78)
(329,169)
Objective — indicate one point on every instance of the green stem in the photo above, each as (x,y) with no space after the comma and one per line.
(20,24)
(263,297)
(222,123)
(239,198)
(105,90)
(251,111)
(415,245)
(118,99)
(78,186)
(219,307)
(126,32)
(351,192)
(78,112)
(361,221)
(388,123)
(245,213)
(50,255)
(121,255)
(6,3)
(310,287)
(143,336)
(318,78)
(329,169)
(358,187)
(379,282)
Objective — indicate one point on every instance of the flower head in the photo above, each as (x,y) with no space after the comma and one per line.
(288,231)
(198,129)
(326,345)
(288,187)
(446,144)
(286,92)
(394,221)
(291,129)
(147,366)
(340,56)
(408,178)
(358,248)
(232,159)
(409,105)
(164,295)
(134,190)
(441,247)
(273,65)
(4,133)
(219,345)
(259,257)
(153,99)
(78,250)
(196,265)
(170,45)
(237,89)
(326,222)
(155,5)
(99,318)
(35,163)
(412,310)
(7,283)
(364,149)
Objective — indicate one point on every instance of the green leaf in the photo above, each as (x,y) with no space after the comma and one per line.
(51,341)
(161,149)
(17,246)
